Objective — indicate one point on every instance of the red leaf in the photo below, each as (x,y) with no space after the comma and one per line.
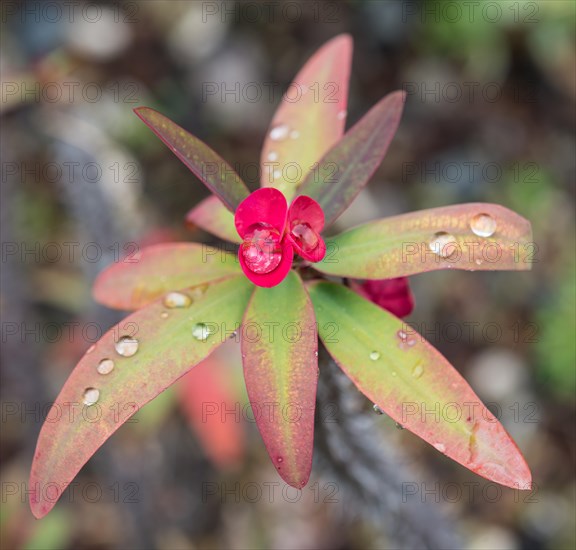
(281,372)
(207,396)
(206,165)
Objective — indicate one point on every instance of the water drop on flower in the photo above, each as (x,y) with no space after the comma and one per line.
(279,132)
(272,156)
(201,332)
(443,244)
(374,356)
(261,248)
(106,366)
(90,396)
(176,299)
(440,447)
(126,346)
(483,225)
(377,409)
(305,236)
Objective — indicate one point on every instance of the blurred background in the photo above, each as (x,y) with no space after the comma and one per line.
(489,117)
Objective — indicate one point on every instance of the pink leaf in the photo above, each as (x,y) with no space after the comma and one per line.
(310,118)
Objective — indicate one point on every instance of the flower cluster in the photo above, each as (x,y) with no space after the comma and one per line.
(272,232)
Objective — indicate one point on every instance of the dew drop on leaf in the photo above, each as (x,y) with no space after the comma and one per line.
(417,370)
(483,225)
(176,299)
(201,332)
(377,409)
(440,447)
(106,366)
(443,244)
(90,396)
(399,426)
(272,156)
(279,132)
(279,459)
(126,346)
(402,335)
(341,115)
(374,356)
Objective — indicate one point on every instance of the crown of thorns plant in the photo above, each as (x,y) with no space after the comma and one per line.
(351,297)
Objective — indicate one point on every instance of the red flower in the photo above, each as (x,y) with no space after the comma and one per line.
(271,232)
(393,295)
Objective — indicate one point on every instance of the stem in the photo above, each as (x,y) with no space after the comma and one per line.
(354,451)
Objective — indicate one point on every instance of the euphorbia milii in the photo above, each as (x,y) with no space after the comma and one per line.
(271,232)
(190,298)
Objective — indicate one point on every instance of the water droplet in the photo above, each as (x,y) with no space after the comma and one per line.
(478,261)
(305,236)
(440,447)
(91,349)
(106,366)
(279,459)
(276,174)
(126,346)
(198,291)
(164,315)
(402,335)
(483,225)
(374,356)
(417,370)
(272,156)
(411,342)
(279,132)
(399,426)
(341,115)
(377,409)
(91,396)
(176,299)
(201,332)
(316,354)
(443,244)
(261,248)
(294,134)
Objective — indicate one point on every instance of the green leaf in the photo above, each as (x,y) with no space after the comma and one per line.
(439,238)
(212,216)
(205,164)
(169,343)
(155,270)
(310,118)
(414,384)
(279,345)
(346,168)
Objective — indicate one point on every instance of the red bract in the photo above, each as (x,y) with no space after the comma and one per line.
(393,295)
(192,298)
(271,231)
